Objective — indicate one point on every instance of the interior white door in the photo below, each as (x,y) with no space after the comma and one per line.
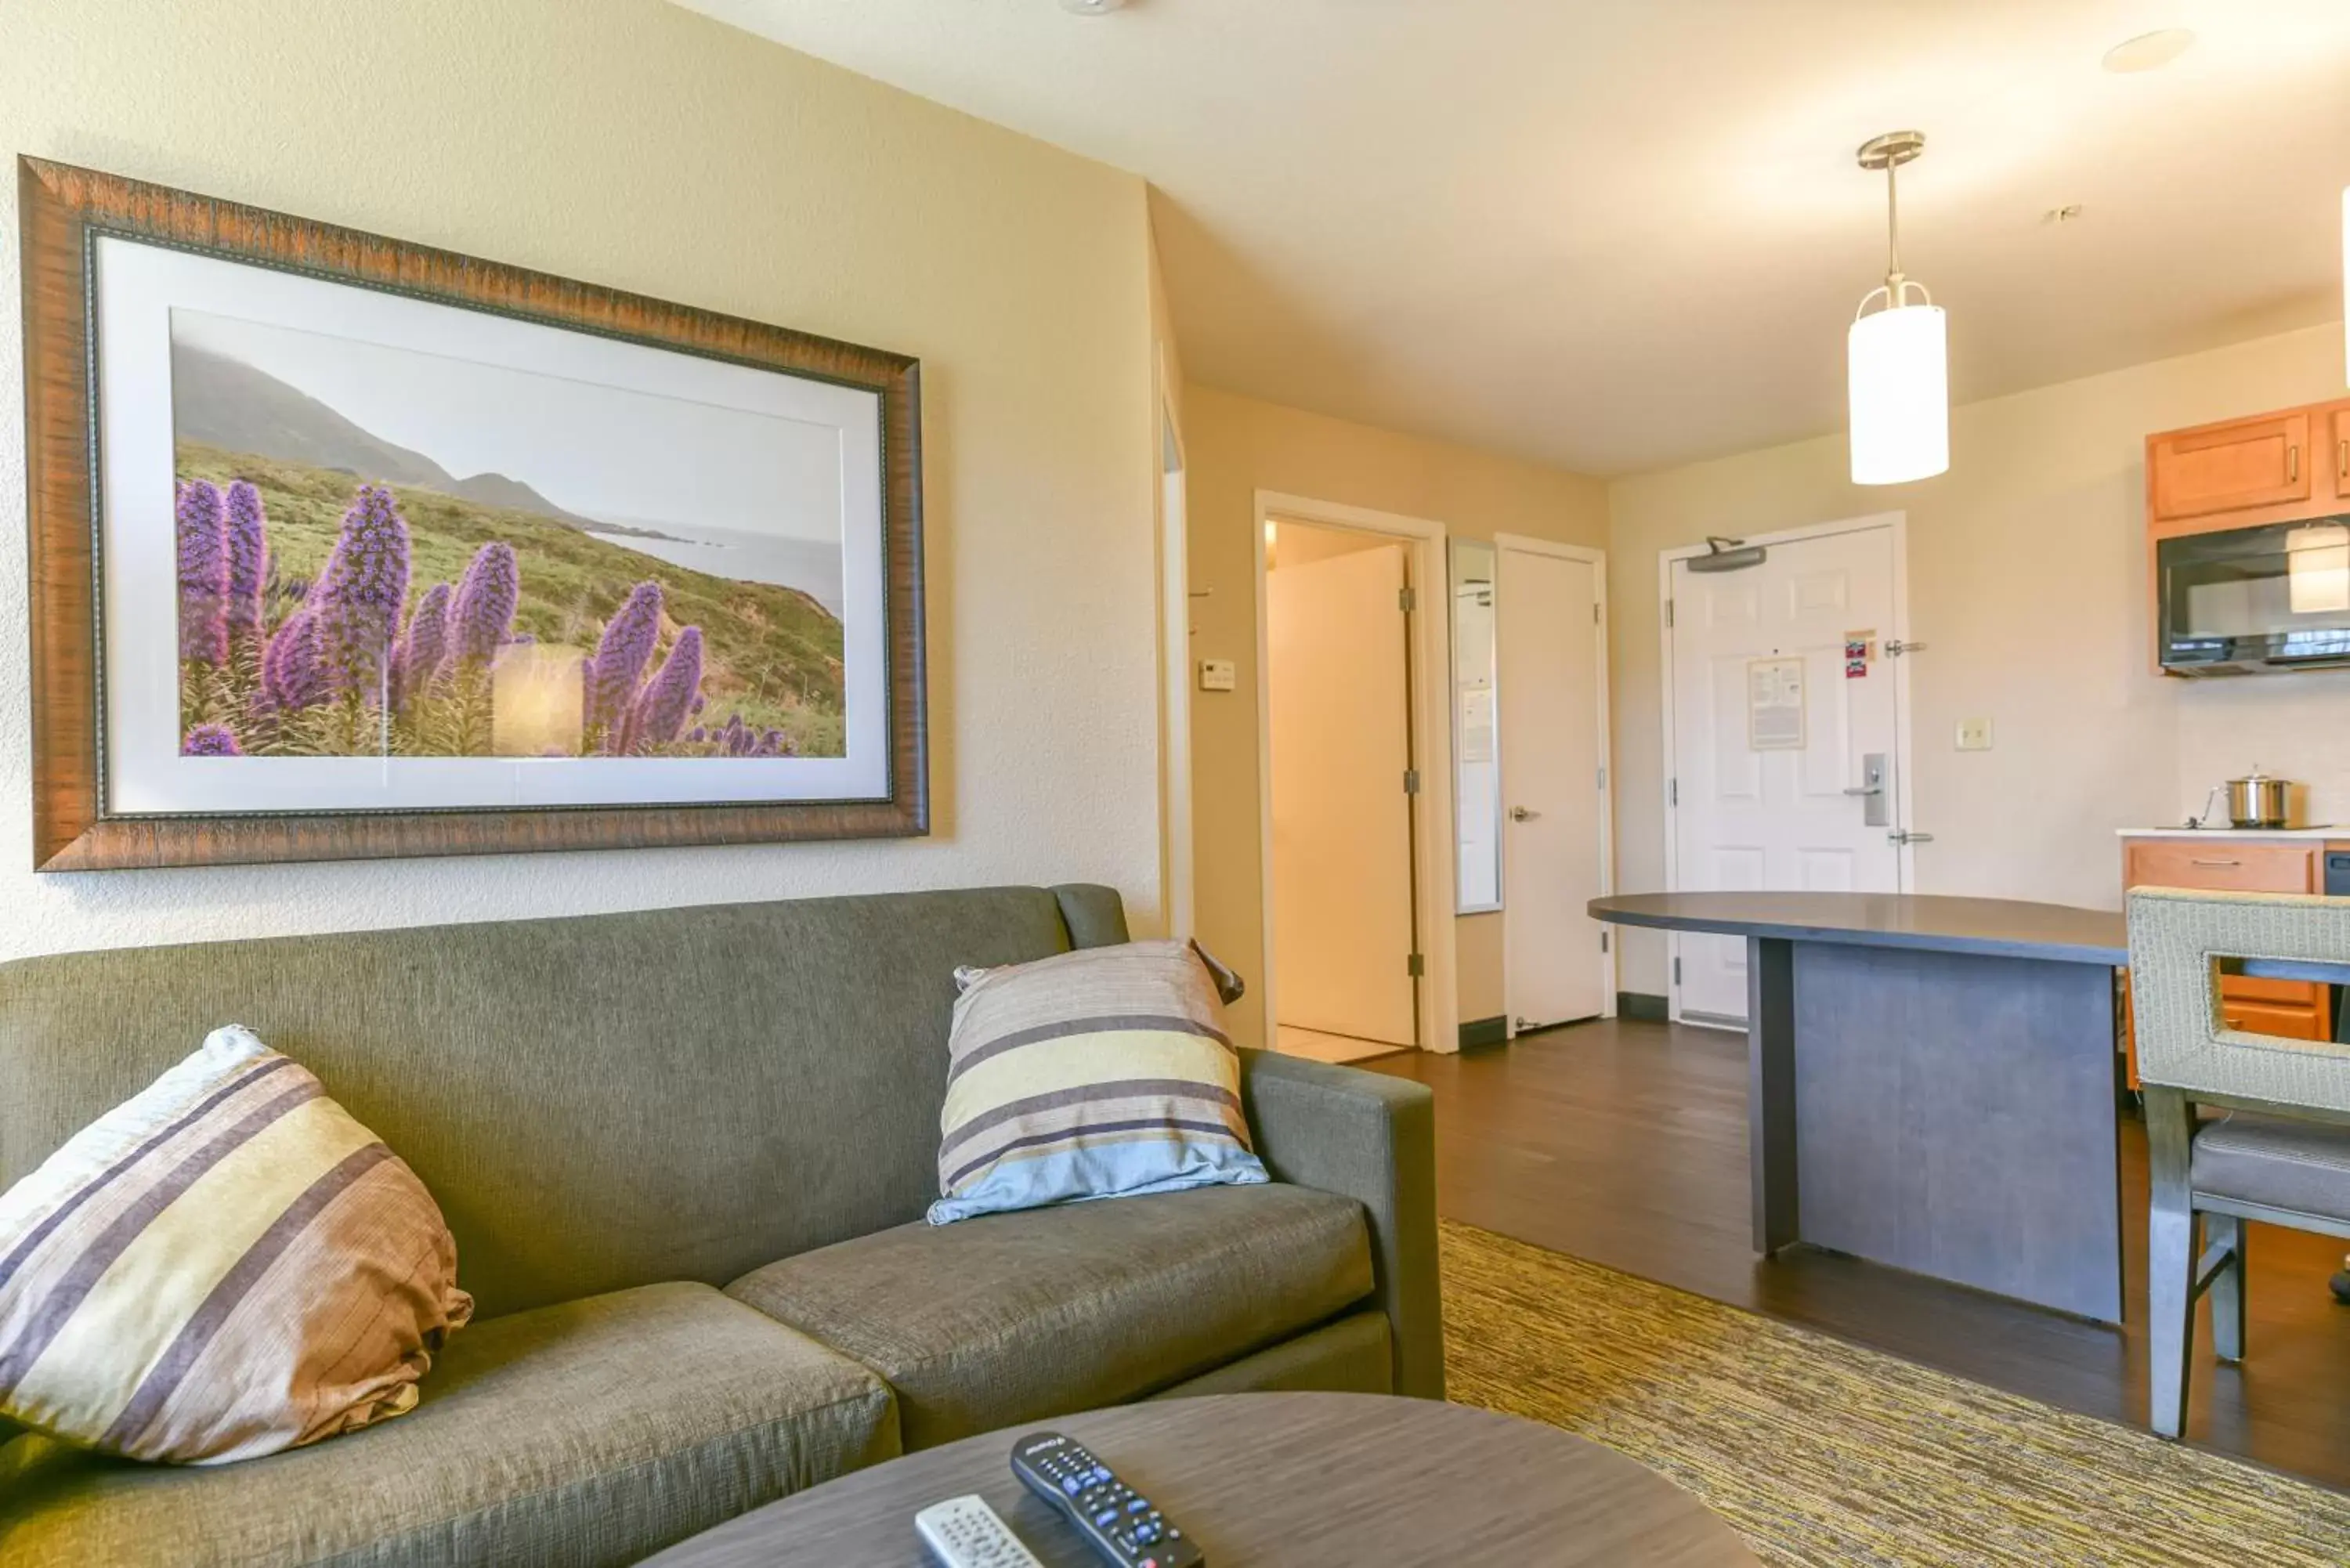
(1341,742)
(1546,626)
(1771,725)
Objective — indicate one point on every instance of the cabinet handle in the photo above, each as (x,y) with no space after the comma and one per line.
(2293,465)
(2215,863)
(2343,470)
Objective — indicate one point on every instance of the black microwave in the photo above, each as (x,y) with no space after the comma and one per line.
(2249,601)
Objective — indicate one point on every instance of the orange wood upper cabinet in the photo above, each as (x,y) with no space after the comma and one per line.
(2337,452)
(2263,462)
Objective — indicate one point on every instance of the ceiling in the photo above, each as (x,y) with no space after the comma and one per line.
(1614,237)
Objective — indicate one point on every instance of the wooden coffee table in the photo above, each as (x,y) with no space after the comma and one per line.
(1285,1480)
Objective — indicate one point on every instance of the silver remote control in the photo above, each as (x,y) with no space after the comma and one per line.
(965,1532)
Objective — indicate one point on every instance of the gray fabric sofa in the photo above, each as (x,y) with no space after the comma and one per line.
(685,1155)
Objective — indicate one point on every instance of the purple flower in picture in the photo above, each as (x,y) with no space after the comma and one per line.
(428,642)
(247,532)
(621,655)
(481,615)
(291,674)
(660,711)
(210,740)
(203,573)
(360,591)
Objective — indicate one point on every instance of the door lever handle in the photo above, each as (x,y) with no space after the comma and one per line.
(1520,814)
(1870,789)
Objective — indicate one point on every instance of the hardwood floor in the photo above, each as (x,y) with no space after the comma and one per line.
(1625,1143)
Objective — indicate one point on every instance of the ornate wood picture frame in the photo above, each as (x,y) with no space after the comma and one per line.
(343,549)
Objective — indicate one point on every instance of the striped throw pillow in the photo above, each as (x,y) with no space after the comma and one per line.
(222,1266)
(1095,1074)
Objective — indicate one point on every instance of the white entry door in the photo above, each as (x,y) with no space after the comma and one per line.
(1340,735)
(1773,727)
(1548,638)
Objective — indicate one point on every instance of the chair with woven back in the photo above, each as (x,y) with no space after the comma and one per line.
(2279,1151)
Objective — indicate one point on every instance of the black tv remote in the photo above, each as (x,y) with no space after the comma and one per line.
(1121,1524)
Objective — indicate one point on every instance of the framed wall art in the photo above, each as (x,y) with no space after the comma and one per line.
(345,547)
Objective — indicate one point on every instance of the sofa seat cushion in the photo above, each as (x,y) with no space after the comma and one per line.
(2301,1166)
(1012,1317)
(592,1432)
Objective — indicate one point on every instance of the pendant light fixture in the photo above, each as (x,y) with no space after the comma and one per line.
(1898,355)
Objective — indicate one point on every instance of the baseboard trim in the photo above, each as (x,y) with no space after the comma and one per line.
(1642,1006)
(1479,1033)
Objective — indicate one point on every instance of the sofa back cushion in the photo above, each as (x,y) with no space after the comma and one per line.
(597,1103)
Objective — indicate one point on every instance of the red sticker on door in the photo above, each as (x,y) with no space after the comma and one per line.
(1859,649)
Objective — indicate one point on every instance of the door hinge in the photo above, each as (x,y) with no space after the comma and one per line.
(1669,612)
(1603,939)
(1603,780)
(1407,600)
(1411,781)
(1895,649)
(1677,972)
(1594,615)
(1672,792)
(1416,965)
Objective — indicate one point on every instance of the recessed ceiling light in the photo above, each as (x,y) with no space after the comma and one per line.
(2148,51)
(1091,7)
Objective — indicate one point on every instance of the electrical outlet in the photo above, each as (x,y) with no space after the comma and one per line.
(1218,675)
(1974,734)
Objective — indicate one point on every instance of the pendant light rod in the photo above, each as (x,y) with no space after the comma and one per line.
(1889,152)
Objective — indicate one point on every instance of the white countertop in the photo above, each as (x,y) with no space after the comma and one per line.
(2324,832)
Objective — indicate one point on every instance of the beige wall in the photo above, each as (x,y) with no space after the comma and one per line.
(634,144)
(2027,582)
(1237,447)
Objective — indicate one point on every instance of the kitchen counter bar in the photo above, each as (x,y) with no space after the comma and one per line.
(1931,1081)
(2323,832)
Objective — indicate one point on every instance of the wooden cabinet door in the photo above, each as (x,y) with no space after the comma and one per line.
(2285,1021)
(2263,462)
(2337,452)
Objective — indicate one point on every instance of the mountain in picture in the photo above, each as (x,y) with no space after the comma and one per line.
(226,403)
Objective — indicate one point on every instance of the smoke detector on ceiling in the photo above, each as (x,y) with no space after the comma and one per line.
(1091,7)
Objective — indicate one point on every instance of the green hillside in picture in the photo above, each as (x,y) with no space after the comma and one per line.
(771,654)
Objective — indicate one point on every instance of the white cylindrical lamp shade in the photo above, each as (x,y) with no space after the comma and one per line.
(1901,387)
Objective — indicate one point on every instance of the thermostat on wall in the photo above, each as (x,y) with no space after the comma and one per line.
(1218,675)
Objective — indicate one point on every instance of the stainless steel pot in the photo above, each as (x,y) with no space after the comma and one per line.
(2256,800)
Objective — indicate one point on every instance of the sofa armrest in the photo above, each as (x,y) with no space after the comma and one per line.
(1372,1138)
(1095,915)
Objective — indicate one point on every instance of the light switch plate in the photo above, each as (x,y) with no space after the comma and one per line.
(1218,675)
(1974,734)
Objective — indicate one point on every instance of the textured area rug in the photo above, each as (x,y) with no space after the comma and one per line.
(1820,1452)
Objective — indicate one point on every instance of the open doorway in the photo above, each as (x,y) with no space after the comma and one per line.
(1339,673)
(1355,762)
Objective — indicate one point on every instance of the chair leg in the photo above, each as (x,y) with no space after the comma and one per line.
(2170,1256)
(2227,1291)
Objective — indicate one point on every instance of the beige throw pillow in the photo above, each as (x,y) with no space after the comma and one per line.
(222,1266)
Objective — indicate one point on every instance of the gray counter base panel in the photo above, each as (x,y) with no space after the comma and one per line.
(1948,1112)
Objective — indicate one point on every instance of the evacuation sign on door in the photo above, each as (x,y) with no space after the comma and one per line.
(1775,705)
